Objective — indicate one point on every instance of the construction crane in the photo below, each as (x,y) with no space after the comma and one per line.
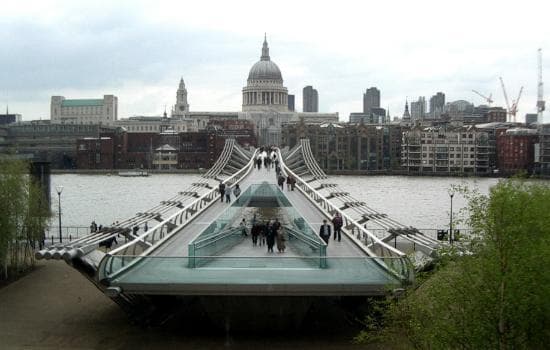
(489,99)
(540,98)
(512,109)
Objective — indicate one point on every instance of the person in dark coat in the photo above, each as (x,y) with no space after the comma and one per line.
(337,223)
(262,230)
(221,188)
(270,237)
(255,233)
(324,231)
(281,182)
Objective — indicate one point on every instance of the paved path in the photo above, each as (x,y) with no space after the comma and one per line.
(56,308)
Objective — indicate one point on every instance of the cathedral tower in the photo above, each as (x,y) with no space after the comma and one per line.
(181,107)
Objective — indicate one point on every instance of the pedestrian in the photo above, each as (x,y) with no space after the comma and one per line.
(337,223)
(135,230)
(93,227)
(276,225)
(281,182)
(221,189)
(237,192)
(228,193)
(243,228)
(277,170)
(270,237)
(288,181)
(324,231)
(281,240)
(255,233)
(145,227)
(263,233)
(292,183)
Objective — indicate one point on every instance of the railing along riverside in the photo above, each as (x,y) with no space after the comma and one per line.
(152,239)
(363,237)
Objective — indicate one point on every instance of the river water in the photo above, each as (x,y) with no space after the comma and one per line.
(422,202)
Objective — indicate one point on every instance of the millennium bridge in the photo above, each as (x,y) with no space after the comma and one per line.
(195,250)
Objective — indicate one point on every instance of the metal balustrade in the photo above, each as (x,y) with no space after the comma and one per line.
(166,229)
(350,205)
(370,243)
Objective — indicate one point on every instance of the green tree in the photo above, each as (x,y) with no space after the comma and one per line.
(24,217)
(492,293)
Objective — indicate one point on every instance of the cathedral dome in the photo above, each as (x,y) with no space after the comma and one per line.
(264,91)
(265,69)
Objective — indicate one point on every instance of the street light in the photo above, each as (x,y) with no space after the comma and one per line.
(59,189)
(451,194)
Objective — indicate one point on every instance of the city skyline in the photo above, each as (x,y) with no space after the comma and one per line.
(139,51)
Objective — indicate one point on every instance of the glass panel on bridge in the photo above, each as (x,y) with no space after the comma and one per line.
(258,205)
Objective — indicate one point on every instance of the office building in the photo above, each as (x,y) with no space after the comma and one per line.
(437,105)
(310,99)
(291,106)
(84,111)
(371,99)
(418,108)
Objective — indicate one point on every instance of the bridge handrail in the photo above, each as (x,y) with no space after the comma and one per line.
(197,206)
(312,165)
(307,189)
(388,223)
(303,237)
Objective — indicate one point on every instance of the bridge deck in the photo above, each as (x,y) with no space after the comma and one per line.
(247,270)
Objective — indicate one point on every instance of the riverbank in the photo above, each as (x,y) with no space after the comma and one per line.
(55,307)
(115,172)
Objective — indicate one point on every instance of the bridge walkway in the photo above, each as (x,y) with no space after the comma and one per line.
(247,270)
(177,246)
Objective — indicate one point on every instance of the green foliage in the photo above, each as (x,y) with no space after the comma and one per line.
(492,293)
(24,216)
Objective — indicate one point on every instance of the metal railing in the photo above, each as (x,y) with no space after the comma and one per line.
(149,241)
(368,241)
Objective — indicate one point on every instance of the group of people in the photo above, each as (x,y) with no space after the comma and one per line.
(325,230)
(268,158)
(290,182)
(267,234)
(225,192)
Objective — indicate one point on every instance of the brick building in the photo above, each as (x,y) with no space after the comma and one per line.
(516,150)
(165,150)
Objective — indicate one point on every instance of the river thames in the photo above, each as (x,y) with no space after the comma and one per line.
(422,202)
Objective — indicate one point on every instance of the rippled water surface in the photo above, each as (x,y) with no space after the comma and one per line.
(422,202)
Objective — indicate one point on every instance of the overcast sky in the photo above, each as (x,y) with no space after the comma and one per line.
(138,50)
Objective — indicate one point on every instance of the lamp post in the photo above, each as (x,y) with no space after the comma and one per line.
(451,194)
(59,189)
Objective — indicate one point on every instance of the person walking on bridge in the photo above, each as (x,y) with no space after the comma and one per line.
(337,222)
(228,193)
(324,231)
(281,182)
(270,237)
(237,192)
(221,189)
